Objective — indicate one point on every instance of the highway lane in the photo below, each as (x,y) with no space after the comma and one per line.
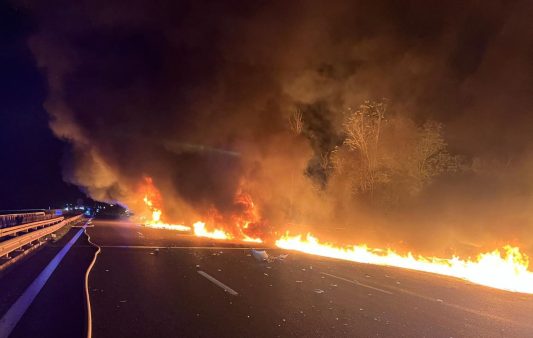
(159,283)
(59,308)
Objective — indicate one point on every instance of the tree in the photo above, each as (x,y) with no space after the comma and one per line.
(429,156)
(363,129)
(388,159)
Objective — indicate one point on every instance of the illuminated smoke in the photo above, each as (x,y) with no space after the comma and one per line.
(199,95)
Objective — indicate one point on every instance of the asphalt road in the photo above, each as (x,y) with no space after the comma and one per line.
(59,308)
(159,283)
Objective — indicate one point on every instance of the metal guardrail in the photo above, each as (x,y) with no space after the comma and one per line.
(24,227)
(13,244)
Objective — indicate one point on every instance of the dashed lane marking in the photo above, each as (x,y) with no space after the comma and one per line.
(218,283)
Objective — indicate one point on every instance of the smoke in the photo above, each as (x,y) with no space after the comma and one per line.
(198,95)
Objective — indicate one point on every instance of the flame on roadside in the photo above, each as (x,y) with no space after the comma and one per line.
(507,270)
(240,222)
(201,231)
(155,221)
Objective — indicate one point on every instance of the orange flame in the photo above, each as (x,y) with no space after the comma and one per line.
(507,272)
(201,231)
(156,222)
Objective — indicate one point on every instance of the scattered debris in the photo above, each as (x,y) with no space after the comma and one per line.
(319,291)
(262,256)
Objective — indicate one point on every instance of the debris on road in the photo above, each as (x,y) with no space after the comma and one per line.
(262,256)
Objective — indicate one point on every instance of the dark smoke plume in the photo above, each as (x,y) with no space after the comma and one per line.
(198,95)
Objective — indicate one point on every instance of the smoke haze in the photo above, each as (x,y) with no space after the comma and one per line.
(199,95)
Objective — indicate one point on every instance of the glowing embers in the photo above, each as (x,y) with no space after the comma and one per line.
(507,270)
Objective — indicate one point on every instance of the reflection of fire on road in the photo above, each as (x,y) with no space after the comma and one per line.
(506,271)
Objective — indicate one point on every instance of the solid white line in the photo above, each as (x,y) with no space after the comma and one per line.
(17,310)
(357,283)
(218,283)
(177,247)
(88,298)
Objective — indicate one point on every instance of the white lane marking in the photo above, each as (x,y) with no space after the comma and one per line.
(17,310)
(176,247)
(89,310)
(357,283)
(218,283)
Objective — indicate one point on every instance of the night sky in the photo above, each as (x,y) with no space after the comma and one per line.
(30,173)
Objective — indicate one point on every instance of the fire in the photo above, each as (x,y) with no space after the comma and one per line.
(201,231)
(507,271)
(252,240)
(241,223)
(156,222)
